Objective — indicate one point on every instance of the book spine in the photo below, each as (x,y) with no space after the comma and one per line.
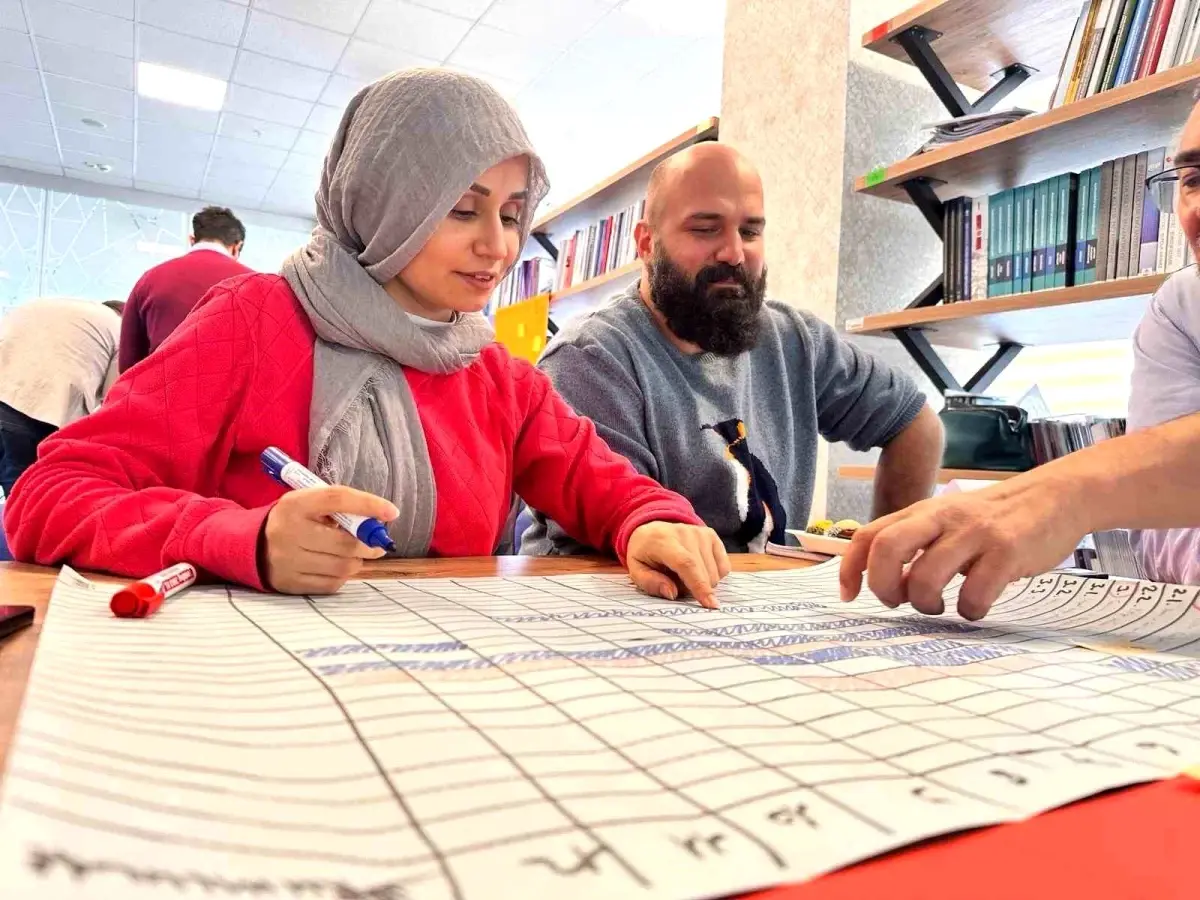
(979,257)
(1183,53)
(1137,200)
(1160,18)
(1094,225)
(993,241)
(1131,55)
(1070,222)
(1118,46)
(1150,233)
(1164,233)
(1027,236)
(1107,171)
(1006,255)
(1079,244)
(1037,262)
(1179,246)
(964,292)
(1122,217)
(1111,24)
(1166,59)
(1081,43)
(947,228)
(955,251)
(1018,264)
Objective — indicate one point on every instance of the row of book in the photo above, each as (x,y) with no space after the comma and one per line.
(599,248)
(1119,41)
(1067,230)
(527,279)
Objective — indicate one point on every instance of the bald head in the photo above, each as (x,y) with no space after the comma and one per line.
(699,169)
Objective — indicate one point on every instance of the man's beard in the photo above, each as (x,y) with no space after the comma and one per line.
(721,319)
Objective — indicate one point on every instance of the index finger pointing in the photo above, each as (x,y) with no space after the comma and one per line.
(688,567)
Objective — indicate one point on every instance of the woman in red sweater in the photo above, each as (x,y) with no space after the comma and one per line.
(368,360)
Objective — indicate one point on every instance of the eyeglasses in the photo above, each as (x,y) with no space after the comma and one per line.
(1182,182)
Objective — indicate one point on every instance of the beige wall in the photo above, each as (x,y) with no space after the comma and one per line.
(783,103)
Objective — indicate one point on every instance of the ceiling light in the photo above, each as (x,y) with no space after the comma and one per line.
(93,123)
(180,87)
(99,167)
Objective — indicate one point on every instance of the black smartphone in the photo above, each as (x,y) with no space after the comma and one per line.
(14,618)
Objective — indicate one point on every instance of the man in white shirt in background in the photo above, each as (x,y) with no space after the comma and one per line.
(58,358)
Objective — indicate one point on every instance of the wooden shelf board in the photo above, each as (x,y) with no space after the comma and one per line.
(982,37)
(945,476)
(599,281)
(1102,311)
(1137,116)
(589,204)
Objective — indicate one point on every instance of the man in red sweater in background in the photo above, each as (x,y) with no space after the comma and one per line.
(164,296)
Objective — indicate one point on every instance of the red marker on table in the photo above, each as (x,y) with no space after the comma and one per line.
(143,598)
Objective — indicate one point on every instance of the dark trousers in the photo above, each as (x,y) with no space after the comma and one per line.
(19,439)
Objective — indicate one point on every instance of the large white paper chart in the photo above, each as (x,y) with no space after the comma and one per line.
(567,737)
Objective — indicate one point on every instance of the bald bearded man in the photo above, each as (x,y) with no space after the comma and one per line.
(717,392)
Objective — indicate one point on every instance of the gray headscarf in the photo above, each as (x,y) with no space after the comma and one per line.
(407,149)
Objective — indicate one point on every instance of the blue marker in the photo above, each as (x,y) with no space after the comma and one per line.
(288,472)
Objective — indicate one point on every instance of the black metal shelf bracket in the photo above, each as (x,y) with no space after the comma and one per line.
(917,41)
(914,341)
(546,244)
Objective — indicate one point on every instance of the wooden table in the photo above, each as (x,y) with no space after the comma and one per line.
(1131,844)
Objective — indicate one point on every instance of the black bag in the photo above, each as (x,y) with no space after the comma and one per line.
(996,438)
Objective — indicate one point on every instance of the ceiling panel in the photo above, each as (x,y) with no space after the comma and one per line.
(30,165)
(182,140)
(497,53)
(16,49)
(81,27)
(369,61)
(552,23)
(18,149)
(164,167)
(29,133)
(293,41)
(22,109)
(210,20)
(247,155)
(169,114)
(85,64)
(310,143)
(170,49)
(90,96)
(416,29)
(105,148)
(77,163)
(122,9)
(267,106)
(171,190)
(12,16)
(301,164)
(336,15)
(324,119)
(464,9)
(70,118)
(268,74)
(258,132)
(21,81)
(341,90)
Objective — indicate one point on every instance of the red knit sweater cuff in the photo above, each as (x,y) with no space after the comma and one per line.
(678,511)
(225,545)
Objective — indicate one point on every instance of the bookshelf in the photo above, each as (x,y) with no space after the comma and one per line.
(1101,311)
(1136,116)
(945,476)
(982,37)
(599,281)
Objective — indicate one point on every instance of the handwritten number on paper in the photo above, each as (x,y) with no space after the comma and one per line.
(1010,777)
(919,793)
(1152,745)
(1178,595)
(584,862)
(699,845)
(1086,760)
(790,815)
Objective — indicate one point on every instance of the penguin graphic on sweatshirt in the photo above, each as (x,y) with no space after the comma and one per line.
(763,517)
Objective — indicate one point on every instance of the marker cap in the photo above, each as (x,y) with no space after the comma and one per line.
(136,601)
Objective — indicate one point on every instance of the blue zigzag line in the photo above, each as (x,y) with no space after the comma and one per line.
(347,649)
(1176,671)
(667,611)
